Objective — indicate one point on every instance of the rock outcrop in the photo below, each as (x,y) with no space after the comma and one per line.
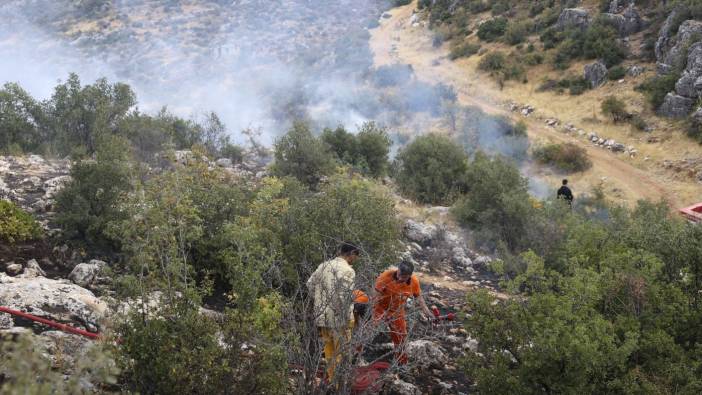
(628,23)
(85,274)
(426,354)
(688,89)
(676,106)
(595,73)
(59,300)
(570,18)
(671,52)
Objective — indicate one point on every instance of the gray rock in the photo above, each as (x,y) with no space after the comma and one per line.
(635,70)
(690,82)
(399,387)
(697,115)
(32,269)
(595,73)
(13,269)
(85,274)
(418,232)
(688,32)
(224,162)
(573,18)
(663,43)
(628,23)
(56,299)
(676,106)
(482,261)
(426,354)
(54,185)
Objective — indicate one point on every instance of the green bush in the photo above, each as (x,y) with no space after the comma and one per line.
(492,29)
(233,152)
(366,151)
(638,123)
(657,87)
(694,130)
(399,3)
(517,32)
(600,42)
(21,120)
(496,204)
(566,157)
(183,351)
(464,49)
(301,155)
(532,59)
(578,86)
(493,61)
(16,225)
(90,201)
(615,109)
(430,169)
(616,73)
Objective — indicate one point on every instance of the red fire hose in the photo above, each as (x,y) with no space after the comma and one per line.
(53,324)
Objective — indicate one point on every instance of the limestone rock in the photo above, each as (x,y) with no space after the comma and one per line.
(32,269)
(676,106)
(56,299)
(690,82)
(13,269)
(426,354)
(573,18)
(628,23)
(224,162)
(419,232)
(84,274)
(595,73)
(673,55)
(399,387)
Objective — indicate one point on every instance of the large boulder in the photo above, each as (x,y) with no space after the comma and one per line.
(426,354)
(58,300)
(573,18)
(419,232)
(672,52)
(32,269)
(664,41)
(628,23)
(676,106)
(596,74)
(690,82)
(85,274)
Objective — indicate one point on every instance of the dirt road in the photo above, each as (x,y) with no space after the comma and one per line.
(396,40)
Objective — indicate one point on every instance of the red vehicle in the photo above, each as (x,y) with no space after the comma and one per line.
(692,213)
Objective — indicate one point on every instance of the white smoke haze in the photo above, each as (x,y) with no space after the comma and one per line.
(257,63)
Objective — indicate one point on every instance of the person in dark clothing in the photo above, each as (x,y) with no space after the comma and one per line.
(565,193)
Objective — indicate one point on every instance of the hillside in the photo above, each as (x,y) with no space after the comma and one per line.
(664,163)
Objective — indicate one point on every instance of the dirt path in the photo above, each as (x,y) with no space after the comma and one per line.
(397,41)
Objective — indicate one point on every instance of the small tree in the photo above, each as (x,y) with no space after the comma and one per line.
(431,169)
(301,155)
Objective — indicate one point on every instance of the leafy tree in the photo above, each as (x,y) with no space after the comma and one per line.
(373,148)
(497,201)
(91,199)
(21,120)
(302,155)
(431,169)
(600,42)
(80,115)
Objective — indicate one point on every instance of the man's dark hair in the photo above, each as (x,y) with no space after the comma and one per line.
(347,248)
(405,268)
(565,182)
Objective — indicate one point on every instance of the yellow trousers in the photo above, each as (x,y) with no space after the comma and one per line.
(335,340)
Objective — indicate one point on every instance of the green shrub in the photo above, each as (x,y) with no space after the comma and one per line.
(399,3)
(578,86)
(600,42)
(615,109)
(496,204)
(657,87)
(517,32)
(183,351)
(464,49)
(566,157)
(301,155)
(493,61)
(638,123)
(90,201)
(532,59)
(430,169)
(21,119)
(616,73)
(16,225)
(492,29)
(694,130)
(233,152)
(366,151)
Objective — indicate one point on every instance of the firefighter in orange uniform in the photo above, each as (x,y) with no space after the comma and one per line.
(392,289)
